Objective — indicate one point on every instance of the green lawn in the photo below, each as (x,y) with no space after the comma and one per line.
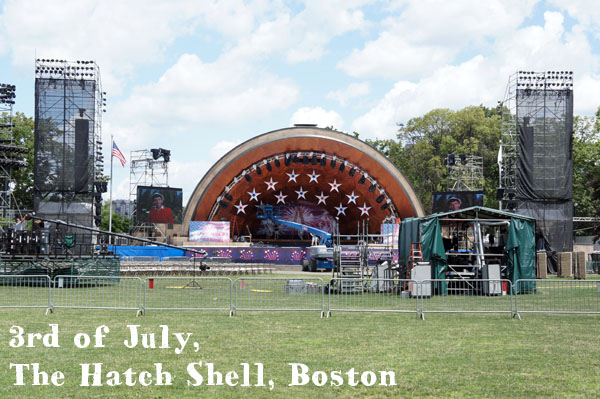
(444,356)
(447,355)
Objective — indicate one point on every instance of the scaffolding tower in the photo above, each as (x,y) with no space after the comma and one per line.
(536,155)
(465,173)
(145,170)
(11,152)
(69,167)
(540,99)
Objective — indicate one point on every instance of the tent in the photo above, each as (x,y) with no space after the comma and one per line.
(519,248)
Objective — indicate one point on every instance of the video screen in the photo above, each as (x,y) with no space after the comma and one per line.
(455,200)
(159,205)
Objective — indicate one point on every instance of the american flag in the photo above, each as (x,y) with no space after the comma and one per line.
(117,153)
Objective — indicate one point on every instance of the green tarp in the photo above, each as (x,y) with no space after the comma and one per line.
(433,249)
(520,252)
(409,233)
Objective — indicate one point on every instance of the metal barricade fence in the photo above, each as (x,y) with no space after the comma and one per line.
(188,293)
(22,291)
(372,295)
(279,294)
(466,296)
(97,292)
(557,296)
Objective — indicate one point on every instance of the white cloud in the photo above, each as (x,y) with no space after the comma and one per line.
(186,175)
(319,116)
(392,57)
(222,148)
(483,78)
(449,87)
(418,41)
(354,90)
(194,95)
(586,12)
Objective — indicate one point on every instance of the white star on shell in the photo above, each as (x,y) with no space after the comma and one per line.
(280,197)
(271,184)
(314,177)
(322,198)
(334,186)
(352,197)
(364,210)
(301,193)
(241,207)
(341,210)
(292,176)
(253,195)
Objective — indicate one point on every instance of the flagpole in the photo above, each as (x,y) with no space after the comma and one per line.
(112,144)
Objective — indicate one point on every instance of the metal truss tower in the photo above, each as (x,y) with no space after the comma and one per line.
(69,166)
(540,98)
(145,170)
(10,151)
(465,173)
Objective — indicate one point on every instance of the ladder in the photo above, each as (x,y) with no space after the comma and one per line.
(416,256)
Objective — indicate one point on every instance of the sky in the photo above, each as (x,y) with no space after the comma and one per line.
(200,77)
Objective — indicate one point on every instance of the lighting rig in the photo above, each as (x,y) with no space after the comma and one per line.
(11,153)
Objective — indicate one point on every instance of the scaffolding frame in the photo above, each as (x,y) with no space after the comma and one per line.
(145,171)
(466,174)
(8,150)
(555,86)
(67,92)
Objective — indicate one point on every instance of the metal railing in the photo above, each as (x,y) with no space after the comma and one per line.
(300,294)
(188,293)
(279,294)
(372,295)
(97,292)
(557,296)
(466,296)
(25,291)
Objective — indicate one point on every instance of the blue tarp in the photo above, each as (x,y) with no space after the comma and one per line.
(158,252)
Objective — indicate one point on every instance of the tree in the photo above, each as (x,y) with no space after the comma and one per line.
(120,224)
(424,143)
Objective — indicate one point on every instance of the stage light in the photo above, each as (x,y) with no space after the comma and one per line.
(228,197)
(305,160)
(276,162)
(451,159)
(380,199)
(247,177)
(352,171)
(155,151)
(258,170)
(333,162)
(372,188)
(323,161)
(362,180)
(384,207)
(287,160)
(223,204)
(342,167)
(268,166)
(463,159)
(314,160)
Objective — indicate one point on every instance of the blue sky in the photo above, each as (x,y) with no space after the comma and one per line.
(199,77)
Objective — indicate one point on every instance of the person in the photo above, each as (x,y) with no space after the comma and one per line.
(454,204)
(159,212)
(18,225)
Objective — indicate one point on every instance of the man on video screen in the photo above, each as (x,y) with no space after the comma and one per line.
(159,213)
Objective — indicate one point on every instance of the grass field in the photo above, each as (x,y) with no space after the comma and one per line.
(447,355)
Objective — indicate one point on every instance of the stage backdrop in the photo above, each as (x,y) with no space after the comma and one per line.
(209,231)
